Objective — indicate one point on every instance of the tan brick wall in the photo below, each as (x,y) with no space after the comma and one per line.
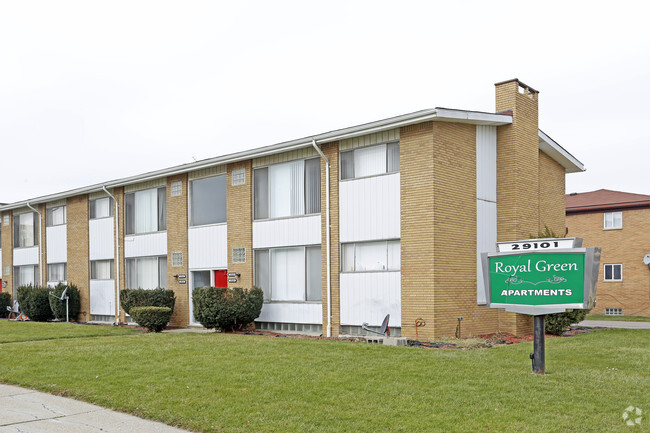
(331,151)
(78,251)
(518,168)
(120,265)
(177,226)
(240,222)
(7,245)
(626,246)
(417,180)
(551,195)
(42,260)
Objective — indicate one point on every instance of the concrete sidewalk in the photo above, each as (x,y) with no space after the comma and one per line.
(27,411)
(614,324)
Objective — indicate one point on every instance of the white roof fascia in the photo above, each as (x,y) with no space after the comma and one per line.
(559,154)
(435,114)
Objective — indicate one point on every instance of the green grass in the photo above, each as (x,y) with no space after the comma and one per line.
(618,318)
(11,331)
(237,383)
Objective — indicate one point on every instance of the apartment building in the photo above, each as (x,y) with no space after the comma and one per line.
(618,223)
(338,229)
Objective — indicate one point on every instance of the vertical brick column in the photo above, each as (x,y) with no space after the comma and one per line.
(240,222)
(78,250)
(517,175)
(120,263)
(7,244)
(417,228)
(177,226)
(331,151)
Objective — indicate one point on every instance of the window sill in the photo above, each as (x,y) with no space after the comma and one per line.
(287,217)
(368,177)
(208,225)
(294,302)
(612,228)
(142,234)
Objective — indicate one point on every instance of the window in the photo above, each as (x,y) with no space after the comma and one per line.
(370,161)
(371,256)
(55,216)
(56,273)
(146,211)
(289,274)
(208,201)
(25,230)
(613,272)
(25,276)
(146,273)
(101,270)
(101,208)
(613,311)
(613,220)
(287,189)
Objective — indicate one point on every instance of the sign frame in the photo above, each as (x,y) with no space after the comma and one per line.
(591,269)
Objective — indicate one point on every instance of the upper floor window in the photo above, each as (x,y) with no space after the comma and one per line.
(146,211)
(101,208)
(370,161)
(208,201)
(613,220)
(25,230)
(287,189)
(55,216)
(371,256)
(614,272)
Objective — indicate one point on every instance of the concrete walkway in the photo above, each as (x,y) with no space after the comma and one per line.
(27,411)
(614,324)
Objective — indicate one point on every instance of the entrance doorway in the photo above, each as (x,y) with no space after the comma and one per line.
(206,278)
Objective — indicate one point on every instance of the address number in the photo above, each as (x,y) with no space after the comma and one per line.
(535,245)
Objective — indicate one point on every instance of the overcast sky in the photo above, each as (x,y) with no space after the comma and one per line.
(92,91)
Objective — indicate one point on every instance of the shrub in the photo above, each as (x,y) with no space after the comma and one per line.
(227,309)
(35,303)
(5,301)
(155,319)
(130,298)
(557,323)
(58,306)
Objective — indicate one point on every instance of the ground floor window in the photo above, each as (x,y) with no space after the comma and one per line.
(25,276)
(102,270)
(146,272)
(56,273)
(371,256)
(614,272)
(613,311)
(289,274)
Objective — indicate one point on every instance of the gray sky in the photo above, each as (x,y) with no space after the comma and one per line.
(92,91)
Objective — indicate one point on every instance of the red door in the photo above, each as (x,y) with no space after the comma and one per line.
(221,278)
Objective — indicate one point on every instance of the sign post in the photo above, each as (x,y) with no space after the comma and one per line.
(539,277)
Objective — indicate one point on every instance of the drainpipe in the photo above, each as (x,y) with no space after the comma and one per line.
(117,250)
(327,236)
(40,241)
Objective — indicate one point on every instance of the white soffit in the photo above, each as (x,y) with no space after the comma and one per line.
(559,154)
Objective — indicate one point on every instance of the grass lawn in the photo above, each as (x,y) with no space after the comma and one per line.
(11,331)
(618,318)
(239,383)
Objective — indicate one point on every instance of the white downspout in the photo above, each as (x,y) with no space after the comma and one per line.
(327,237)
(117,250)
(40,247)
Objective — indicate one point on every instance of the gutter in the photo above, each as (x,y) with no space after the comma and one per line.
(327,237)
(117,252)
(40,247)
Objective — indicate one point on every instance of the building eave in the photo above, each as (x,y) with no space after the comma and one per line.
(559,154)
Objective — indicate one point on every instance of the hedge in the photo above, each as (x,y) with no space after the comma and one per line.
(557,323)
(155,319)
(58,306)
(35,303)
(227,309)
(130,298)
(5,301)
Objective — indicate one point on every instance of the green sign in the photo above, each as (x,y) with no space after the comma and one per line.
(537,278)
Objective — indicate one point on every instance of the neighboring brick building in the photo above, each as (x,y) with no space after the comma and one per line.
(339,229)
(619,223)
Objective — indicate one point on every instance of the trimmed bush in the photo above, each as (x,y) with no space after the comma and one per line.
(227,309)
(155,319)
(5,301)
(35,303)
(58,306)
(130,298)
(557,323)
